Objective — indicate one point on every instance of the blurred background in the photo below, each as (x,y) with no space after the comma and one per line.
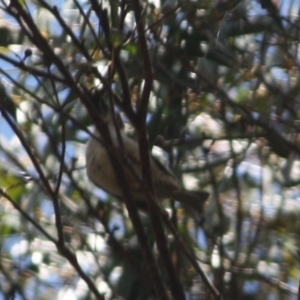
(222,113)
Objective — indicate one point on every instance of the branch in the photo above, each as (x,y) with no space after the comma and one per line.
(31,70)
(160,237)
(27,216)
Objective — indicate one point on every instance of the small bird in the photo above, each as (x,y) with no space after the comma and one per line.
(101,172)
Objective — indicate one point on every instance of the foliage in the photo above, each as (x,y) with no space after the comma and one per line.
(215,84)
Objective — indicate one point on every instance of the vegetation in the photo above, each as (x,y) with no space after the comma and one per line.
(212,87)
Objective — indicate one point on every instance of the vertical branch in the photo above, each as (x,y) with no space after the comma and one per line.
(257,223)
(160,237)
(102,15)
(63,141)
(148,72)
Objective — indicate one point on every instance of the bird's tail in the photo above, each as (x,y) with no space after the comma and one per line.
(194,199)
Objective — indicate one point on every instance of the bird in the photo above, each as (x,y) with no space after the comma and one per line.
(101,172)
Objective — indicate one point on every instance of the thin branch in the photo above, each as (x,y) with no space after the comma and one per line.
(28,150)
(15,282)
(114,55)
(87,21)
(54,10)
(71,257)
(280,285)
(56,205)
(19,64)
(27,216)
(190,143)
(60,242)
(190,256)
